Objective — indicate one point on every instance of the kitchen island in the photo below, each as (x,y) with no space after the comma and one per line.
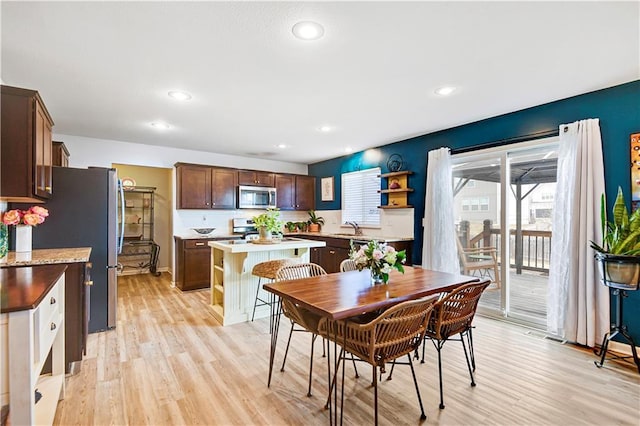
(233,287)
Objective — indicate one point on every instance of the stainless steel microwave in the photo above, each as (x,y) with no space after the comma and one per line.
(256,197)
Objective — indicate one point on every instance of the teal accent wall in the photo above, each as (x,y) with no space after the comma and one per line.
(618,109)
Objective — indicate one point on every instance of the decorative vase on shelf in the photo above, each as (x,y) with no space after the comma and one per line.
(376,278)
(23,238)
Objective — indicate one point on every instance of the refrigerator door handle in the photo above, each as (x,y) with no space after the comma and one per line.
(121,238)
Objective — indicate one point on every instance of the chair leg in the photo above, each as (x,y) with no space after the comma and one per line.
(439,348)
(255,302)
(375,395)
(286,351)
(423,416)
(355,369)
(424,343)
(472,355)
(466,356)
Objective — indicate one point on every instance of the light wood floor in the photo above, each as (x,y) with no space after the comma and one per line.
(169,362)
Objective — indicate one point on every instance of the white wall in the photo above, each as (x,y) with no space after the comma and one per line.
(102,153)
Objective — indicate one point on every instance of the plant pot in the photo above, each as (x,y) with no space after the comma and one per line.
(619,271)
(313,227)
(264,233)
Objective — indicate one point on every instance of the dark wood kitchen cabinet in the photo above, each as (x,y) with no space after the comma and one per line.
(204,187)
(26,149)
(60,154)
(295,192)
(256,178)
(193,263)
(76,316)
(337,250)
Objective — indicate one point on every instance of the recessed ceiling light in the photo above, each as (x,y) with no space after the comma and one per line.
(281,146)
(160,125)
(308,30)
(325,128)
(348,149)
(179,95)
(445,90)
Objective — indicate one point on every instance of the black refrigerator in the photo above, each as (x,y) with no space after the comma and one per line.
(83,213)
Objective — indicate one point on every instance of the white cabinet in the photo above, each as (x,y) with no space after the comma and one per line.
(31,334)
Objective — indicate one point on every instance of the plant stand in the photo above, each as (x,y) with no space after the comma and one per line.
(617,329)
(620,273)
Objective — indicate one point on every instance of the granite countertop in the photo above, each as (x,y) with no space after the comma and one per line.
(255,246)
(351,236)
(195,236)
(47,256)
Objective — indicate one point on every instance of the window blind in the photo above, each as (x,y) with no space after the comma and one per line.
(360,197)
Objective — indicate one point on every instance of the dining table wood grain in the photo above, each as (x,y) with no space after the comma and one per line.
(348,294)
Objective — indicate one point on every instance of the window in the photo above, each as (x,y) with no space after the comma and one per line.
(475,204)
(360,197)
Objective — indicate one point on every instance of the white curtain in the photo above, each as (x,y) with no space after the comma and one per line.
(439,247)
(577,304)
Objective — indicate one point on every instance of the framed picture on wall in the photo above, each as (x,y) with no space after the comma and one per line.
(326,186)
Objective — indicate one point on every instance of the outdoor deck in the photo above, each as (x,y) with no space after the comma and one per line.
(528,295)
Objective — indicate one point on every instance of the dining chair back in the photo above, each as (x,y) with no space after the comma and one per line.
(398,331)
(348,265)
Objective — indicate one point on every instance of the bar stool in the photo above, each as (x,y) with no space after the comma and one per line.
(267,270)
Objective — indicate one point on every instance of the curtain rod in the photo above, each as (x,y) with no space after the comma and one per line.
(515,139)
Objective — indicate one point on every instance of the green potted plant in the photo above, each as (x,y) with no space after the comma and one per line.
(291,226)
(268,223)
(314,222)
(302,226)
(619,255)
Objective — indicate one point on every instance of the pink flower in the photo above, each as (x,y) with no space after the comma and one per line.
(32,219)
(34,216)
(377,254)
(40,211)
(12,217)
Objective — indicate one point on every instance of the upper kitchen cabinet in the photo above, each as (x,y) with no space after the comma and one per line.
(254,178)
(26,149)
(204,187)
(60,154)
(295,192)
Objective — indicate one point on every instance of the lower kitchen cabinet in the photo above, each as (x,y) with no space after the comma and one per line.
(337,250)
(193,263)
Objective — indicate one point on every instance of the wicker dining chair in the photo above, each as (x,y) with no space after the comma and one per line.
(453,315)
(396,332)
(307,320)
(348,265)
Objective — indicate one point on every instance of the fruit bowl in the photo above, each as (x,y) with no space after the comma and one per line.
(204,231)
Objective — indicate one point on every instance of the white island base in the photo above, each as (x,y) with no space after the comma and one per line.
(233,287)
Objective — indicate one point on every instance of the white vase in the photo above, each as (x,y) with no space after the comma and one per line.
(23,238)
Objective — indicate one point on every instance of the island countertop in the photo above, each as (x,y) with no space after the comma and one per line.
(47,257)
(233,246)
(24,288)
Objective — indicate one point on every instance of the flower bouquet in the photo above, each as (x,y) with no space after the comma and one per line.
(380,258)
(33,217)
(24,221)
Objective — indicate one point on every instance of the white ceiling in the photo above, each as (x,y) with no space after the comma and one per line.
(104,68)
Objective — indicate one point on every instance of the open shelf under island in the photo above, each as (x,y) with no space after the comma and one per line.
(233,287)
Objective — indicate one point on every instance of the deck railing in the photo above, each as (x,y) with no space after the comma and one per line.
(535,245)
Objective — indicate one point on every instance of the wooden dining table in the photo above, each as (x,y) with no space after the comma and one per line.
(345,295)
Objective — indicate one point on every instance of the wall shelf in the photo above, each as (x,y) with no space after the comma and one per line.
(397,189)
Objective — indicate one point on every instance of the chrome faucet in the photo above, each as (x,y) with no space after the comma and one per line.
(356,228)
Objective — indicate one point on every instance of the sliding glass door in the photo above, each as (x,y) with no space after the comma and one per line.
(503,206)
